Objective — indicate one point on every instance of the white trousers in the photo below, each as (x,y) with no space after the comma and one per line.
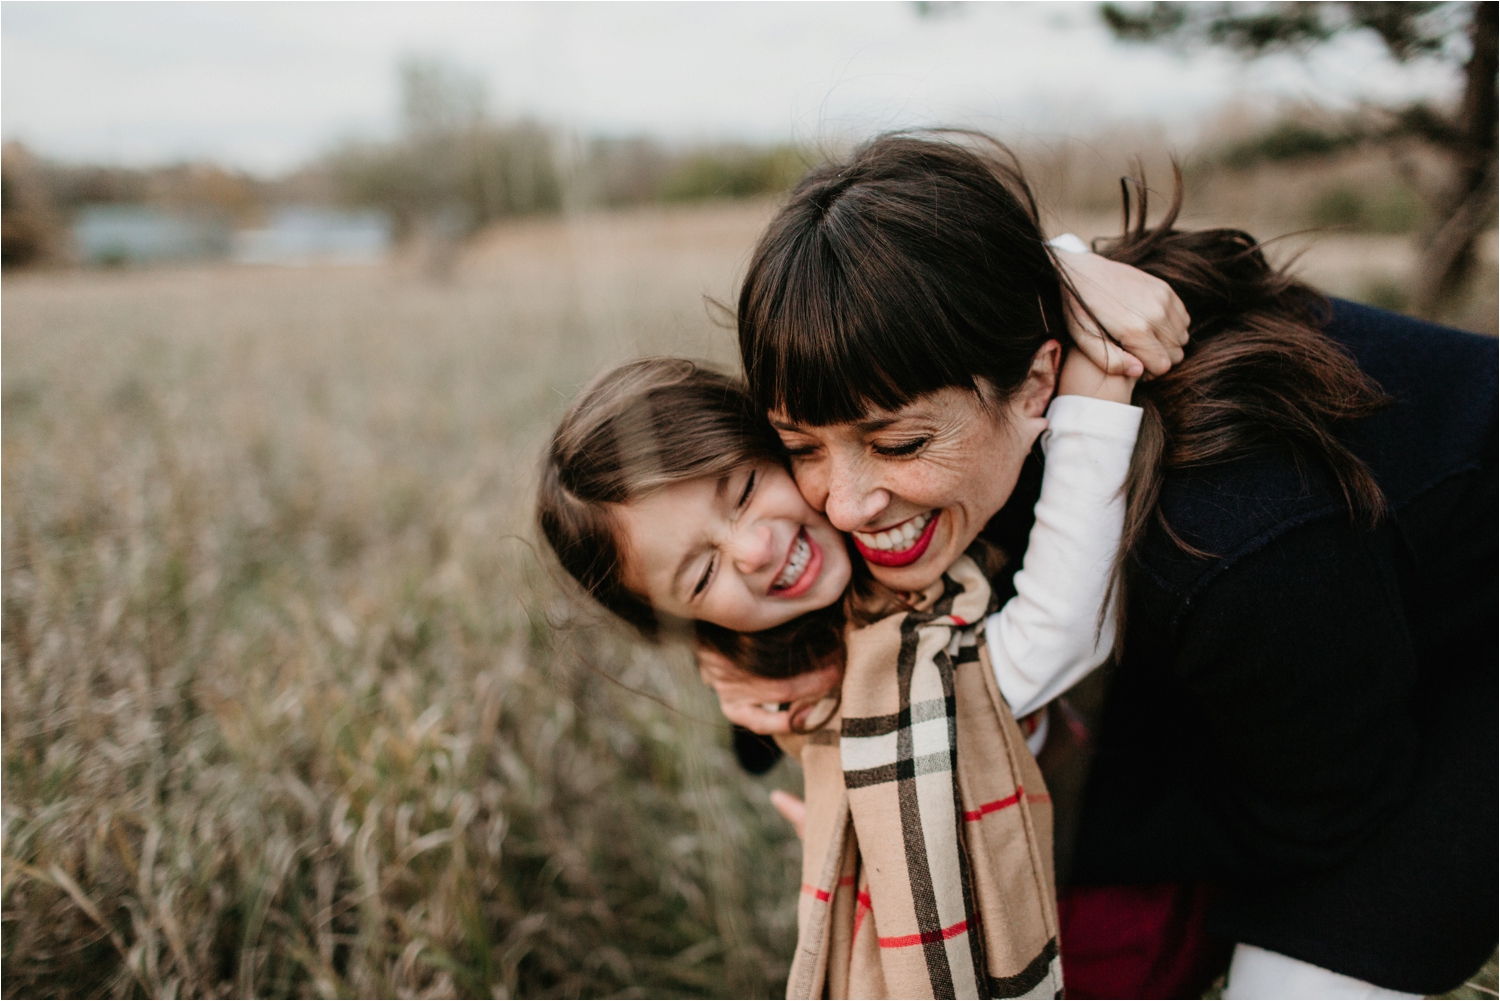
(1257,973)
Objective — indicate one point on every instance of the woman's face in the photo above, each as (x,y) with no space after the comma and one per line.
(916,485)
(744,551)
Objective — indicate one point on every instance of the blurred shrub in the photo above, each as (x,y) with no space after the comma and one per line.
(1290,139)
(1388,209)
(29,229)
(638,170)
(1385,292)
(733,172)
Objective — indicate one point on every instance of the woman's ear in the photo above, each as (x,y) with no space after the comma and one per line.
(1041,382)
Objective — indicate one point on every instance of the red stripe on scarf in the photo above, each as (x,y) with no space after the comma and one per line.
(1000,804)
(902,941)
(864,907)
(808,888)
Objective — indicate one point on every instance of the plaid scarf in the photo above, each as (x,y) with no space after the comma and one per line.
(927,856)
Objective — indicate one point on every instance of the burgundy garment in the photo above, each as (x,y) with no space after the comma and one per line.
(1138,941)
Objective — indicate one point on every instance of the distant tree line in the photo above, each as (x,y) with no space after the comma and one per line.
(451,169)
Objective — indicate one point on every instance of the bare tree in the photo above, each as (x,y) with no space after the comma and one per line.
(454,168)
(1466,204)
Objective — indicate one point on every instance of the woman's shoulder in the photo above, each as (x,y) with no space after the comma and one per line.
(1213,516)
(1443,387)
(1440,423)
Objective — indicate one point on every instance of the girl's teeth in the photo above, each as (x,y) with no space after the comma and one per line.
(898,538)
(801,551)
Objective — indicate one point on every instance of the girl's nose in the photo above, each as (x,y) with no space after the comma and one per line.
(751,548)
(853,501)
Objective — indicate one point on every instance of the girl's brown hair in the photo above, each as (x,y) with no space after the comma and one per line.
(640,427)
(919,263)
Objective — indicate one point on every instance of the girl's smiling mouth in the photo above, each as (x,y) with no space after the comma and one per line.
(900,544)
(804,561)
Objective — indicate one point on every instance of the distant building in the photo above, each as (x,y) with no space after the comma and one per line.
(140,234)
(308,235)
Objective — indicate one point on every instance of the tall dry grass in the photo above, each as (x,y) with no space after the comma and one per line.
(290,705)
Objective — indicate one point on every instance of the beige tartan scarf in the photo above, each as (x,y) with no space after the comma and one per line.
(927,855)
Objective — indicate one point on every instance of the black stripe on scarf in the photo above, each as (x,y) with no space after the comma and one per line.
(924,898)
(1019,984)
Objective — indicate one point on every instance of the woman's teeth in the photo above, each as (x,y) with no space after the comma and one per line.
(898,538)
(801,553)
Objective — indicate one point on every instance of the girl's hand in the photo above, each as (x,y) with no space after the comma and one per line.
(1139,310)
(764,705)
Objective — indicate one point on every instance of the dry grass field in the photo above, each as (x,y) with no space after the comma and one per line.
(290,703)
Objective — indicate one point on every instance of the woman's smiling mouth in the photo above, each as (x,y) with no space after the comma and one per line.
(899,544)
(804,561)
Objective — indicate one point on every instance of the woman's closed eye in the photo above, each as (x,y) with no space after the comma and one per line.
(911,447)
(796,452)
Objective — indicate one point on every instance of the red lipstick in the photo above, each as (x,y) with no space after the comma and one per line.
(886,558)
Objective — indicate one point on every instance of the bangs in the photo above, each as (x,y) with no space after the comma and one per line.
(654,422)
(685,432)
(826,340)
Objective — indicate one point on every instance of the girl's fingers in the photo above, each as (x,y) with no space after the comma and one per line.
(790,807)
(765,705)
(756,718)
(1156,358)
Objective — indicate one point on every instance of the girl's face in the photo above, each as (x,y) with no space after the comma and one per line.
(745,551)
(915,486)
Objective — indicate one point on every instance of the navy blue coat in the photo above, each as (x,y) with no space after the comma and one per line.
(1308,719)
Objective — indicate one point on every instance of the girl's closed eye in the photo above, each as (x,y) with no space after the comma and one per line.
(708,573)
(749,489)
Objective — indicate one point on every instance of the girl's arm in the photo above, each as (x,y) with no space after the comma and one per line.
(1050,635)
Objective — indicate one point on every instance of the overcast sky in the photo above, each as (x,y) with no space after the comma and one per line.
(265,86)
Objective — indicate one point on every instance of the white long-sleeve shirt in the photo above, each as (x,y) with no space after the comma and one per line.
(1050,635)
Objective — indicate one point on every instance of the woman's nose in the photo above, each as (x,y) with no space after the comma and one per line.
(853,501)
(751,548)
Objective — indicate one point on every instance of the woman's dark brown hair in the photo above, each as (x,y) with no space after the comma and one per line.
(640,427)
(919,263)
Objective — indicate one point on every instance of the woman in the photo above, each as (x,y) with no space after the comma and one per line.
(1302,712)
